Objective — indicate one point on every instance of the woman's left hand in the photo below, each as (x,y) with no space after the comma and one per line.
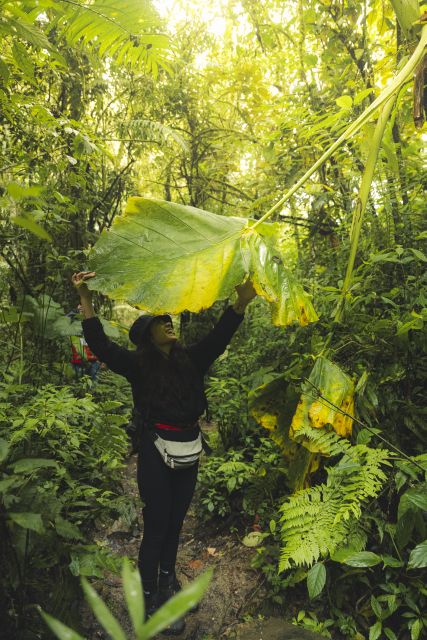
(246,291)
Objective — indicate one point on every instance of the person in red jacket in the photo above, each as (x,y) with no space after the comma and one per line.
(168,393)
(83,360)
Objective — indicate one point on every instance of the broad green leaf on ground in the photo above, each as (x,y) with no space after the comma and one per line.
(327,379)
(166,257)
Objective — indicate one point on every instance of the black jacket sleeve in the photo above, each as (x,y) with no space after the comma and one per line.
(117,358)
(214,344)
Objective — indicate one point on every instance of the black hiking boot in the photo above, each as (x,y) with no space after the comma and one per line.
(151,601)
(168,587)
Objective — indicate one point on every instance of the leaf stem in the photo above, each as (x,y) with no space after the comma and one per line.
(362,199)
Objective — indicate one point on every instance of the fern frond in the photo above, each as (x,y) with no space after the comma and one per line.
(156,131)
(316,521)
(234,467)
(324,441)
(118,29)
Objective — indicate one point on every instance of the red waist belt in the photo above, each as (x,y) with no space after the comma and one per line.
(169,427)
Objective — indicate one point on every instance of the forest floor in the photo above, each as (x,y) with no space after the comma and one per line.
(228,610)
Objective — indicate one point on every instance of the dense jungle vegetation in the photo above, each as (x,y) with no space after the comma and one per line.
(223,106)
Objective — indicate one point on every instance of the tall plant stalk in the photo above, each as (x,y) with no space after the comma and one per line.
(391,90)
(362,199)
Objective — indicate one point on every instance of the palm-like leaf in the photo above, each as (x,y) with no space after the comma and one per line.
(166,257)
(125,30)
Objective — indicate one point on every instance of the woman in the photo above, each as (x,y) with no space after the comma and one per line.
(168,396)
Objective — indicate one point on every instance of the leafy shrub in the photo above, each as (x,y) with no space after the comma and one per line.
(61,461)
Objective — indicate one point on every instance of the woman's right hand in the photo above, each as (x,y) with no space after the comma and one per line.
(79,281)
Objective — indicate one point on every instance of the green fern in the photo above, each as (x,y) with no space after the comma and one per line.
(120,29)
(123,30)
(151,130)
(316,521)
(324,441)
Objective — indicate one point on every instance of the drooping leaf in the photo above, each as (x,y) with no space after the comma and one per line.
(272,405)
(28,520)
(166,257)
(25,222)
(329,381)
(316,580)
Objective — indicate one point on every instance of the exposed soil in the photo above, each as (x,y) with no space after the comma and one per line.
(236,590)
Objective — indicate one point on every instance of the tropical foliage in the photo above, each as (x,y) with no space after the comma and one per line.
(175,155)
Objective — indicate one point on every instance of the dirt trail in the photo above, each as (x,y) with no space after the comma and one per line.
(236,589)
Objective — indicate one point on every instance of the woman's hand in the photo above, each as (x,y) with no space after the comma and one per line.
(245,293)
(79,281)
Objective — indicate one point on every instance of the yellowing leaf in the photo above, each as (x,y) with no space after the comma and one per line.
(329,381)
(272,405)
(166,257)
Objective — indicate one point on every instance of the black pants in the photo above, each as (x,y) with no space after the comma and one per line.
(166,494)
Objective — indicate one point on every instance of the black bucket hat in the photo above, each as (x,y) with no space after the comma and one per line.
(140,327)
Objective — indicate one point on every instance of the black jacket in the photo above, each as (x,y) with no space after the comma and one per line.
(178,396)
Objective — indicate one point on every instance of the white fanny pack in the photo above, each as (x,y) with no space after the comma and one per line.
(179,455)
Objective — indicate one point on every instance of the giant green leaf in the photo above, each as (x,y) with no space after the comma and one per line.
(166,257)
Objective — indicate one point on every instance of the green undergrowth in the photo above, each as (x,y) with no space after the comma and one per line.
(62,455)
